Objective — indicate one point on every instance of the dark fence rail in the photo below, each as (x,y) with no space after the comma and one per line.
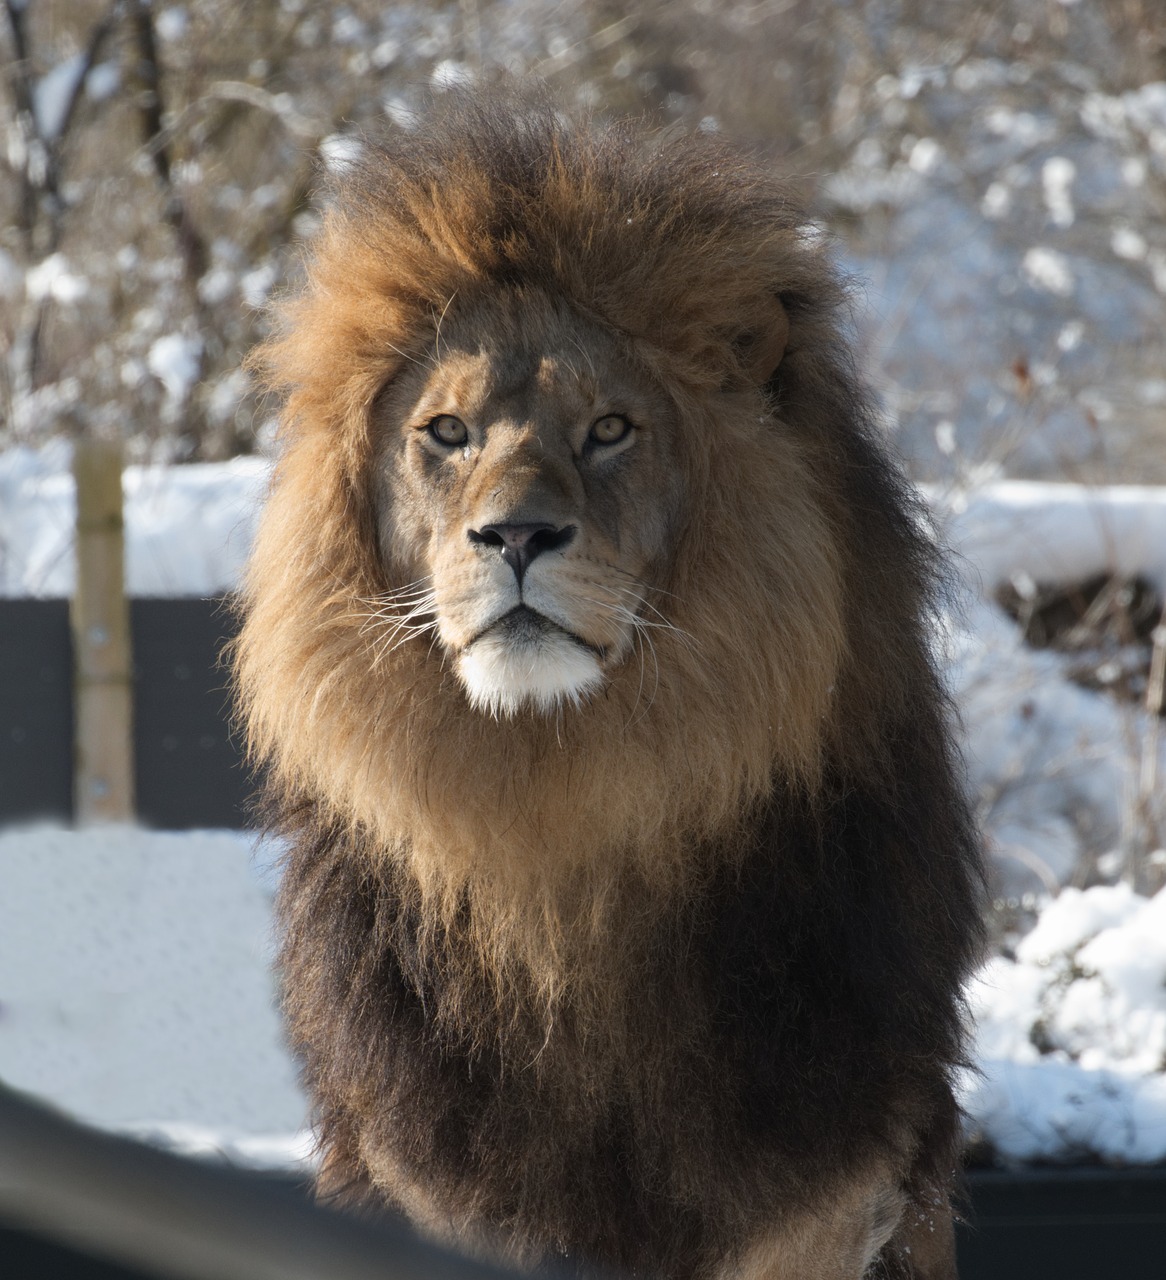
(73,1198)
(189,770)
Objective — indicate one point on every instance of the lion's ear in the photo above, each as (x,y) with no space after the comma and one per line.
(761,347)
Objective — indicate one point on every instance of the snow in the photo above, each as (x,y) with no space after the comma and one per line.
(176,361)
(1049,270)
(256,285)
(171,24)
(1071,1034)
(451,75)
(1040,752)
(1055,532)
(997,201)
(217,285)
(1057,177)
(103,81)
(52,278)
(135,992)
(1129,244)
(338,153)
(53,92)
(188,529)
(1058,1111)
(134,987)
(925,155)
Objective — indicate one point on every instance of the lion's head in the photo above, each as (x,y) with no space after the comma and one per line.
(578,544)
(529,490)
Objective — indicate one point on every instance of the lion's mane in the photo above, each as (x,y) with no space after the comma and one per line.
(761,825)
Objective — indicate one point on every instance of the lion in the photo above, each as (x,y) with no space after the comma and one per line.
(631,885)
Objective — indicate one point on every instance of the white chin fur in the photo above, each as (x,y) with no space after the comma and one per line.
(501,675)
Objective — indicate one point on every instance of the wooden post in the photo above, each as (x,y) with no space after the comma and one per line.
(103,693)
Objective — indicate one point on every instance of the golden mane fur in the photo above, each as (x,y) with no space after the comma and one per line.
(772,662)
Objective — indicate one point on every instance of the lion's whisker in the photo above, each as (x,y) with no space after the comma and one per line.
(642,600)
(645,588)
(424,583)
(647,604)
(638,621)
(382,605)
(388,645)
(415,609)
(395,617)
(639,646)
(645,640)
(420,620)
(440,322)
(405,355)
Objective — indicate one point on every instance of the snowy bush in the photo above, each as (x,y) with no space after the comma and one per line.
(1071,1034)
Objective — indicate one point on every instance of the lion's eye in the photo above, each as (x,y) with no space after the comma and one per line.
(448,430)
(610,430)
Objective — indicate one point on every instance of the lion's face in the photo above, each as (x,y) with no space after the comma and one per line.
(527,491)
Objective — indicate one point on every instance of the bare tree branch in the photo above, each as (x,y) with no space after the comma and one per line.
(97,38)
(42,214)
(20,86)
(42,210)
(157,139)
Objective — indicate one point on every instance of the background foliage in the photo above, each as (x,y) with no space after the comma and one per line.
(996,175)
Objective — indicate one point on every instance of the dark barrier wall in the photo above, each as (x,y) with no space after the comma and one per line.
(36,710)
(189,770)
(1053,1224)
(1065,1224)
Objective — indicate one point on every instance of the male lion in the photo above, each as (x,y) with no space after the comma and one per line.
(630,887)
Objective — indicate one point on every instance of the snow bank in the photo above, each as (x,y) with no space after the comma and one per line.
(1071,1034)
(1051,764)
(188,529)
(135,985)
(1055,532)
(136,993)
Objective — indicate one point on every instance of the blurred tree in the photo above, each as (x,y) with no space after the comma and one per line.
(163,157)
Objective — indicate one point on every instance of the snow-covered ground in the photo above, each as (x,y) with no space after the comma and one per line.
(136,989)
(134,984)
(135,992)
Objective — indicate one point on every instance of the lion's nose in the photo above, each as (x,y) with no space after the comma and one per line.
(520,543)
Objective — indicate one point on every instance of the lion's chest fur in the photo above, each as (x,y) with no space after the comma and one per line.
(745,1043)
